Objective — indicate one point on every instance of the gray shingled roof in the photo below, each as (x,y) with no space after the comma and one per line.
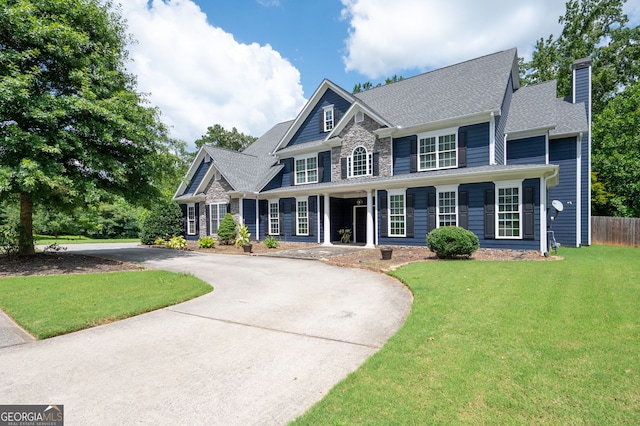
(572,118)
(459,90)
(533,107)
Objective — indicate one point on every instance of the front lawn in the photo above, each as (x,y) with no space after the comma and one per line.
(47,306)
(46,240)
(554,342)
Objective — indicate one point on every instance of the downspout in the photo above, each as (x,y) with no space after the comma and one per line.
(257,219)
(579,191)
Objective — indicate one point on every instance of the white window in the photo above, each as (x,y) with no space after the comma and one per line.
(447,208)
(327,114)
(360,163)
(274,218)
(302,218)
(191,219)
(216,214)
(397,214)
(306,170)
(509,210)
(437,150)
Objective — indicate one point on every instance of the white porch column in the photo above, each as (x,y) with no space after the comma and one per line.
(370,243)
(327,221)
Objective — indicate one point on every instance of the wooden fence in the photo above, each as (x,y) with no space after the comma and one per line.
(615,231)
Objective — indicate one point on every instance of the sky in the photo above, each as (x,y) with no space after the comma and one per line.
(251,64)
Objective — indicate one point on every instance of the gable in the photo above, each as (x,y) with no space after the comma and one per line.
(312,128)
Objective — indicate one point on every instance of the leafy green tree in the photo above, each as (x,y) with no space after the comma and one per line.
(367,85)
(616,156)
(163,221)
(73,127)
(220,137)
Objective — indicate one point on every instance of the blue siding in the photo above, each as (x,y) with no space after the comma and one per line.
(197,177)
(501,122)
(276,182)
(287,172)
(563,153)
(288,215)
(249,213)
(476,193)
(310,129)
(477,144)
(527,151)
(402,154)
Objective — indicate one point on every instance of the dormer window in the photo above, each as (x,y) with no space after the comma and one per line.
(360,163)
(327,115)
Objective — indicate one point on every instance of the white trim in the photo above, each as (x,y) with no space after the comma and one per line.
(370,221)
(508,185)
(437,134)
(399,131)
(195,218)
(368,163)
(275,201)
(325,109)
(302,200)
(396,192)
(391,155)
(446,188)
(504,150)
(257,219)
(327,220)
(543,217)
(318,216)
(579,193)
(295,169)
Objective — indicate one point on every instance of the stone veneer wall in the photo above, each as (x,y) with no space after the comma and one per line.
(357,134)
(217,192)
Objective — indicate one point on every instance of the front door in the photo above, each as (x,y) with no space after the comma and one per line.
(360,224)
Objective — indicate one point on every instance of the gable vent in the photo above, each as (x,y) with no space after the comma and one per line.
(359,117)
(207,158)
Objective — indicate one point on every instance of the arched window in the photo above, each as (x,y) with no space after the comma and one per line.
(360,162)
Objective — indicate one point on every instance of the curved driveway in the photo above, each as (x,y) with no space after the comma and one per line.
(271,339)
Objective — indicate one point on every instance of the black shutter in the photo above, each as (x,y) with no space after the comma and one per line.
(462,149)
(281,216)
(376,163)
(207,211)
(463,209)
(489,214)
(528,210)
(228,207)
(183,208)
(322,121)
(409,231)
(294,214)
(263,210)
(197,218)
(384,214)
(343,167)
(321,167)
(431,211)
(414,156)
(312,217)
(292,172)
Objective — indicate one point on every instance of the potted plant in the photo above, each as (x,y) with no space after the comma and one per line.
(345,235)
(386,253)
(242,240)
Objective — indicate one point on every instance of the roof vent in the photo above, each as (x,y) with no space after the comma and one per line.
(359,117)
(207,158)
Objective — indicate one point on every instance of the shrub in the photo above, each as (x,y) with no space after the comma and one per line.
(206,242)
(178,243)
(9,239)
(227,229)
(448,242)
(271,242)
(163,221)
(159,242)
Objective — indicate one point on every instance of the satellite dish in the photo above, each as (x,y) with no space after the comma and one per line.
(557,204)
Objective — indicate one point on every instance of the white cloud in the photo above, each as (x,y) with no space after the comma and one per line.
(198,75)
(387,36)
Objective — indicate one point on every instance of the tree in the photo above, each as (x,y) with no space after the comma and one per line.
(73,128)
(227,229)
(597,28)
(218,136)
(367,85)
(163,221)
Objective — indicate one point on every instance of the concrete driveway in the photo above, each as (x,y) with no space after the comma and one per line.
(273,337)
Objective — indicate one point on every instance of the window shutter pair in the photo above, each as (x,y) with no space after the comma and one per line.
(528,210)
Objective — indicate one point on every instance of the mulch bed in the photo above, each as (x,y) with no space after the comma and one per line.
(59,263)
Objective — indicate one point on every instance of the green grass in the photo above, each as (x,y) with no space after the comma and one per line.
(48,306)
(554,342)
(78,239)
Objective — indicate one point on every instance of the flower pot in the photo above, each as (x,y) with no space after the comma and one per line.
(247,248)
(386,253)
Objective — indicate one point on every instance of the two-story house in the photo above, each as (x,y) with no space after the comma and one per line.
(463,145)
